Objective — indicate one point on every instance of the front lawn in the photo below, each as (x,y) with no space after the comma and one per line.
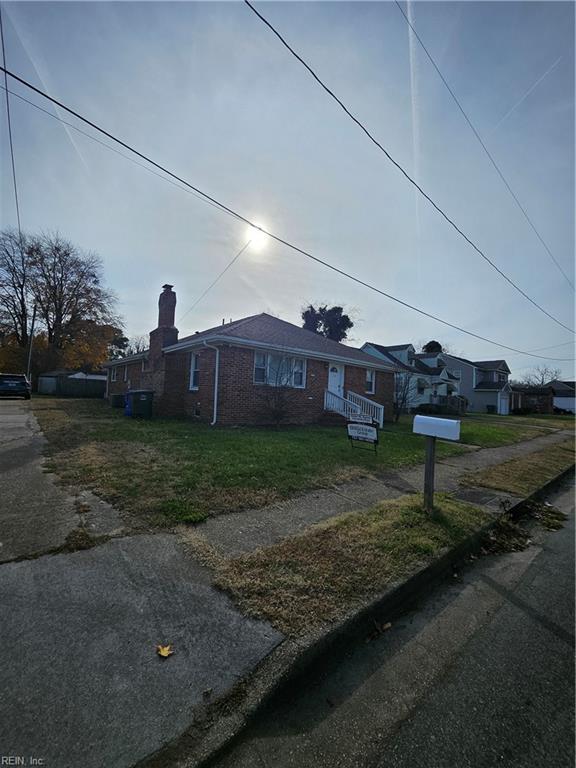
(166,471)
(486,433)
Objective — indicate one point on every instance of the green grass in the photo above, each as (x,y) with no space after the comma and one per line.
(524,475)
(544,421)
(167,471)
(484,433)
(335,566)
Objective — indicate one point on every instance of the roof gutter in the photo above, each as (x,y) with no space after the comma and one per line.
(216,372)
(239,342)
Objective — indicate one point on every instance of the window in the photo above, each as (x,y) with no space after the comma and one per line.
(370,381)
(502,377)
(194,372)
(260,368)
(279,371)
(113,373)
(298,373)
(421,386)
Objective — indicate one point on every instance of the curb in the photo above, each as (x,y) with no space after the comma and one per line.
(203,742)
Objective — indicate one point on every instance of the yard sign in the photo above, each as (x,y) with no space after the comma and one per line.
(363,433)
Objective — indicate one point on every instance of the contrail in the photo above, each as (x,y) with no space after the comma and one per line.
(33,61)
(528,92)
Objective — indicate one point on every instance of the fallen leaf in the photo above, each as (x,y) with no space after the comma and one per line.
(164,651)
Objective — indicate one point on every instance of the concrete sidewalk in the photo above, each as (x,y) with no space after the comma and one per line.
(236,533)
(80,679)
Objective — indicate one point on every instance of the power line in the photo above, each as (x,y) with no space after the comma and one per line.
(484,147)
(213,283)
(255,226)
(10,142)
(404,172)
(107,146)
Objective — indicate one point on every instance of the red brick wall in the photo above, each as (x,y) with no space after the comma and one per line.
(240,400)
(134,380)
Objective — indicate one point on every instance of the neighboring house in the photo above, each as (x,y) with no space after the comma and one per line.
(63,383)
(441,379)
(241,372)
(484,383)
(525,398)
(421,379)
(564,395)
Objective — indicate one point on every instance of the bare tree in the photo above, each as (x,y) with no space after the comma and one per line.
(67,287)
(403,390)
(137,344)
(16,298)
(277,391)
(541,375)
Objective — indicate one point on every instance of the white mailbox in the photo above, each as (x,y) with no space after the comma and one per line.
(447,429)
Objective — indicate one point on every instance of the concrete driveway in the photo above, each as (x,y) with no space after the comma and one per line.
(81,682)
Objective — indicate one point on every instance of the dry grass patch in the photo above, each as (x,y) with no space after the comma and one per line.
(526,474)
(319,576)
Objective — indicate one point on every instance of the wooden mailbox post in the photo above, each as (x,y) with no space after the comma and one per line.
(447,429)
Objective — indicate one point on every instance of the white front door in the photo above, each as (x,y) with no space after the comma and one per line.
(336,379)
(504,404)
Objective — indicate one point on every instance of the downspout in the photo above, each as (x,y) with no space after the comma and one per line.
(216,371)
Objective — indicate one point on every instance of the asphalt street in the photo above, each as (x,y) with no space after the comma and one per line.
(480,675)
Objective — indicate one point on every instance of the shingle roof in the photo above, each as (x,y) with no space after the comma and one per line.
(491,365)
(561,386)
(391,348)
(491,385)
(264,329)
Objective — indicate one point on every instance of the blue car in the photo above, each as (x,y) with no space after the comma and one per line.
(15,385)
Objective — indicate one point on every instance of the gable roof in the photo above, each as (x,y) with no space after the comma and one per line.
(390,348)
(264,331)
(562,386)
(417,365)
(492,365)
(485,365)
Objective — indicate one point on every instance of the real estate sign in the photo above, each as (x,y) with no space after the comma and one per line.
(363,432)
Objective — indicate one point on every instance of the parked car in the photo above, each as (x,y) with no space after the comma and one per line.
(15,385)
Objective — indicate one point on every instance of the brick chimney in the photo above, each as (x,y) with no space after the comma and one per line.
(165,334)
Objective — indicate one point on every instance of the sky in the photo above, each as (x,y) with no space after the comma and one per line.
(206,90)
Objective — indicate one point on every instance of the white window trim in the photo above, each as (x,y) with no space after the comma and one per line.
(194,359)
(267,356)
(113,373)
(126,372)
(372,390)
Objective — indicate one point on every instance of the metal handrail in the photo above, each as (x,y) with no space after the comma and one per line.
(339,404)
(369,407)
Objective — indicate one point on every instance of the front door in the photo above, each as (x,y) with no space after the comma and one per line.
(336,379)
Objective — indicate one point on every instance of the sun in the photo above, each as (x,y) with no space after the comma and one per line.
(258,239)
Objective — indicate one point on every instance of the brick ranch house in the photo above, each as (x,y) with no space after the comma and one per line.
(235,373)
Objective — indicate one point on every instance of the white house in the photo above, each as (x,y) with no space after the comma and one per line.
(425,379)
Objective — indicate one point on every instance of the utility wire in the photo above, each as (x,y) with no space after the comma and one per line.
(8,116)
(277,238)
(213,283)
(401,169)
(107,146)
(484,147)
